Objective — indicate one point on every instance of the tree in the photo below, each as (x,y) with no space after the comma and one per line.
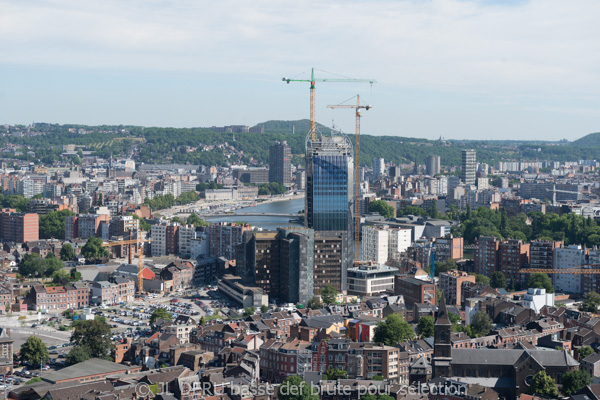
(481,324)
(144,225)
(425,326)
(195,220)
(77,355)
(329,294)
(61,277)
(95,335)
(53,264)
(498,280)
(335,374)
(393,330)
(52,225)
(295,388)
(32,265)
(93,251)
(249,311)
(34,351)
(314,303)
(574,381)
(584,351)
(543,385)
(383,208)
(480,278)
(264,308)
(445,266)
(590,304)
(161,313)
(540,281)
(67,253)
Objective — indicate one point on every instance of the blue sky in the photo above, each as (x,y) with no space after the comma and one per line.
(459,69)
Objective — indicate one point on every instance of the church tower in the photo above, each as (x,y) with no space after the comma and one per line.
(442,347)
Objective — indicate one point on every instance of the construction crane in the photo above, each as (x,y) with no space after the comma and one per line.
(554,190)
(357,109)
(313,80)
(128,243)
(572,271)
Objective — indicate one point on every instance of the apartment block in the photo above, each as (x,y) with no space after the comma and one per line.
(541,253)
(18,227)
(486,255)
(451,285)
(513,255)
(224,237)
(448,249)
(566,258)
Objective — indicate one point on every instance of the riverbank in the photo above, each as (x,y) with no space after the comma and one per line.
(201,207)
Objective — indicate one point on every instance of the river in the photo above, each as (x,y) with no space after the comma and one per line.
(269,223)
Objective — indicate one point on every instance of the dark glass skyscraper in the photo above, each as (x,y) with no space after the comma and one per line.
(280,163)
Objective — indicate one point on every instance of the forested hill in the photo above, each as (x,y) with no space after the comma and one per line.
(204,146)
(593,139)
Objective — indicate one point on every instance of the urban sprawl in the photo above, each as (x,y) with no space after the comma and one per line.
(123,279)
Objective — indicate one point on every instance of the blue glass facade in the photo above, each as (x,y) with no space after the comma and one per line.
(329,185)
(331,211)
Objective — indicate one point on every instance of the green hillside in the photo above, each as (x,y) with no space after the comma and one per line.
(593,139)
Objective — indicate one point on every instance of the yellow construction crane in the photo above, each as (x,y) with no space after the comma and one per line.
(357,109)
(128,243)
(572,271)
(313,80)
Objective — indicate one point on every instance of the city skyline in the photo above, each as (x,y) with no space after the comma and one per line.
(473,69)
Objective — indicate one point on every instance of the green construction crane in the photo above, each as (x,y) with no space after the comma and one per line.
(313,129)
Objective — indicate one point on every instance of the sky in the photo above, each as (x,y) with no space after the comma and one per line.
(460,69)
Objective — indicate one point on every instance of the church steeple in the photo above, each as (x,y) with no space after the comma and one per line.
(442,347)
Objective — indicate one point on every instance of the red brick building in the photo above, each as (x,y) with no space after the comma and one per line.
(414,290)
(18,227)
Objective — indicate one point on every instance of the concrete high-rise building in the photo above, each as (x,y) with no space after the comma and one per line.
(328,202)
(512,256)
(378,167)
(433,165)
(566,258)
(224,237)
(280,163)
(469,167)
(279,262)
(375,244)
(486,255)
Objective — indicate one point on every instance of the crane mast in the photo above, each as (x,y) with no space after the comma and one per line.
(357,109)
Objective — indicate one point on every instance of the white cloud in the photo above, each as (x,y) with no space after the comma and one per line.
(508,52)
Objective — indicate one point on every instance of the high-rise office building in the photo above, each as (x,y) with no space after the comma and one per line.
(329,184)
(469,167)
(280,163)
(378,167)
(280,262)
(433,165)
(328,205)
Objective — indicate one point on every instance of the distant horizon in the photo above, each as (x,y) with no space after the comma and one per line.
(300,120)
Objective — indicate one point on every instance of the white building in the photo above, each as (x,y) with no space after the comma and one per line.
(199,245)
(565,258)
(378,167)
(375,244)
(159,240)
(186,234)
(535,299)
(370,279)
(382,243)
(400,239)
